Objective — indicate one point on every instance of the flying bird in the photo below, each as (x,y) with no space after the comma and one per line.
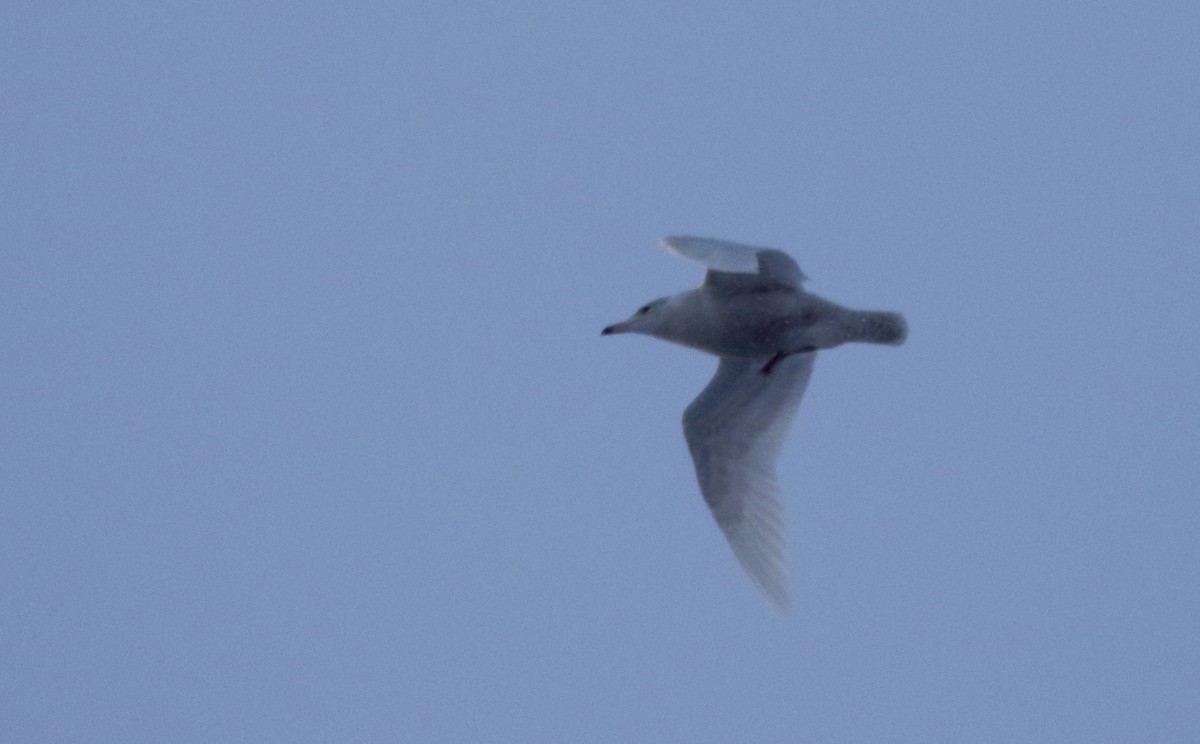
(752,312)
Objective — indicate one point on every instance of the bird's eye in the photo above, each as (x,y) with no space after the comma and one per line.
(643,310)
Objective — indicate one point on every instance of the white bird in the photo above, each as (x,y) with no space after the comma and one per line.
(752,313)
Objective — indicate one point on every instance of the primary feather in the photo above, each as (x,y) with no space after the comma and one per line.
(735,429)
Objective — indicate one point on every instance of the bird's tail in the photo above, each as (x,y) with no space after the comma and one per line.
(878,328)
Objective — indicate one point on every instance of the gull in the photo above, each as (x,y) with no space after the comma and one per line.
(752,312)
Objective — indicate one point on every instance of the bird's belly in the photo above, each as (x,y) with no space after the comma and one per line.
(733,345)
(749,339)
(787,334)
(759,325)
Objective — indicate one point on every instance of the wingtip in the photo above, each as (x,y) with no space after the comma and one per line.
(782,605)
(778,596)
(670,243)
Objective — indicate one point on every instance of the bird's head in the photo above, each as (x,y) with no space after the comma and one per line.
(649,319)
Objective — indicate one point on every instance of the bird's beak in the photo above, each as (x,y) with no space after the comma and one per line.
(616,328)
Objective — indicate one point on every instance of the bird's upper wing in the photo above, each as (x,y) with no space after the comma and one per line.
(735,429)
(725,257)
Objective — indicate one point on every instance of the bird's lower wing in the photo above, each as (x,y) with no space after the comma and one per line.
(735,429)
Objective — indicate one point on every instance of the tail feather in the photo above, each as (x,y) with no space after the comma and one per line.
(879,327)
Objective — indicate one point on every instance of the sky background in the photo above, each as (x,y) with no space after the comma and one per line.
(308,434)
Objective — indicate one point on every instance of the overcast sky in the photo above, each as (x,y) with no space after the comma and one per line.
(308,432)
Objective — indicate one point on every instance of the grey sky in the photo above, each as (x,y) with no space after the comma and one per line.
(309,433)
